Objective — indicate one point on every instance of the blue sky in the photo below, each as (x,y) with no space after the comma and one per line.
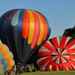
(59,13)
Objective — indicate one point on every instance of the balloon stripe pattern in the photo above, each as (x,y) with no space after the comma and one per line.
(17,23)
(6,57)
(43,28)
(32,28)
(32,25)
(25,26)
(57,54)
(36,31)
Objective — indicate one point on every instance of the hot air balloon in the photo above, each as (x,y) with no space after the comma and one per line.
(23,31)
(6,58)
(57,53)
(70,32)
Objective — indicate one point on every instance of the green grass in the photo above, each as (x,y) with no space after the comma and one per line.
(49,73)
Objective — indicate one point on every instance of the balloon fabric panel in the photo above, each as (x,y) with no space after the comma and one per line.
(36,31)
(31,28)
(59,56)
(41,36)
(25,26)
(8,57)
(45,25)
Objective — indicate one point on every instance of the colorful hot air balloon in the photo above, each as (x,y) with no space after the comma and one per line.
(56,54)
(6,57)
(23,31)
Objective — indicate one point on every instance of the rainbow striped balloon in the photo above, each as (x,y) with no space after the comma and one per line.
(22,31)
(57,54)
(6,57)
(32,25)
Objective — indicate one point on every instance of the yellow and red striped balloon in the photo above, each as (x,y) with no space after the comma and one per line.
(34,28)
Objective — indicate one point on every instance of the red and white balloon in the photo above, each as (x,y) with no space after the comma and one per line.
(57,54)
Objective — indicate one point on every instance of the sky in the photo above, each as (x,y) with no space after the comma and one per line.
(59,13)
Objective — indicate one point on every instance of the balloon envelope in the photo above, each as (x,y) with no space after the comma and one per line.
(70,32)
(57,54)
(6,57)
(22,31)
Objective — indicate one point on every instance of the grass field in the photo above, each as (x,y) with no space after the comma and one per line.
(45,73)
(48,73)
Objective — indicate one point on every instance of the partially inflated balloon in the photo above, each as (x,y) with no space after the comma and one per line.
(22,31)
(70,32)
(57,54)
(6,57)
